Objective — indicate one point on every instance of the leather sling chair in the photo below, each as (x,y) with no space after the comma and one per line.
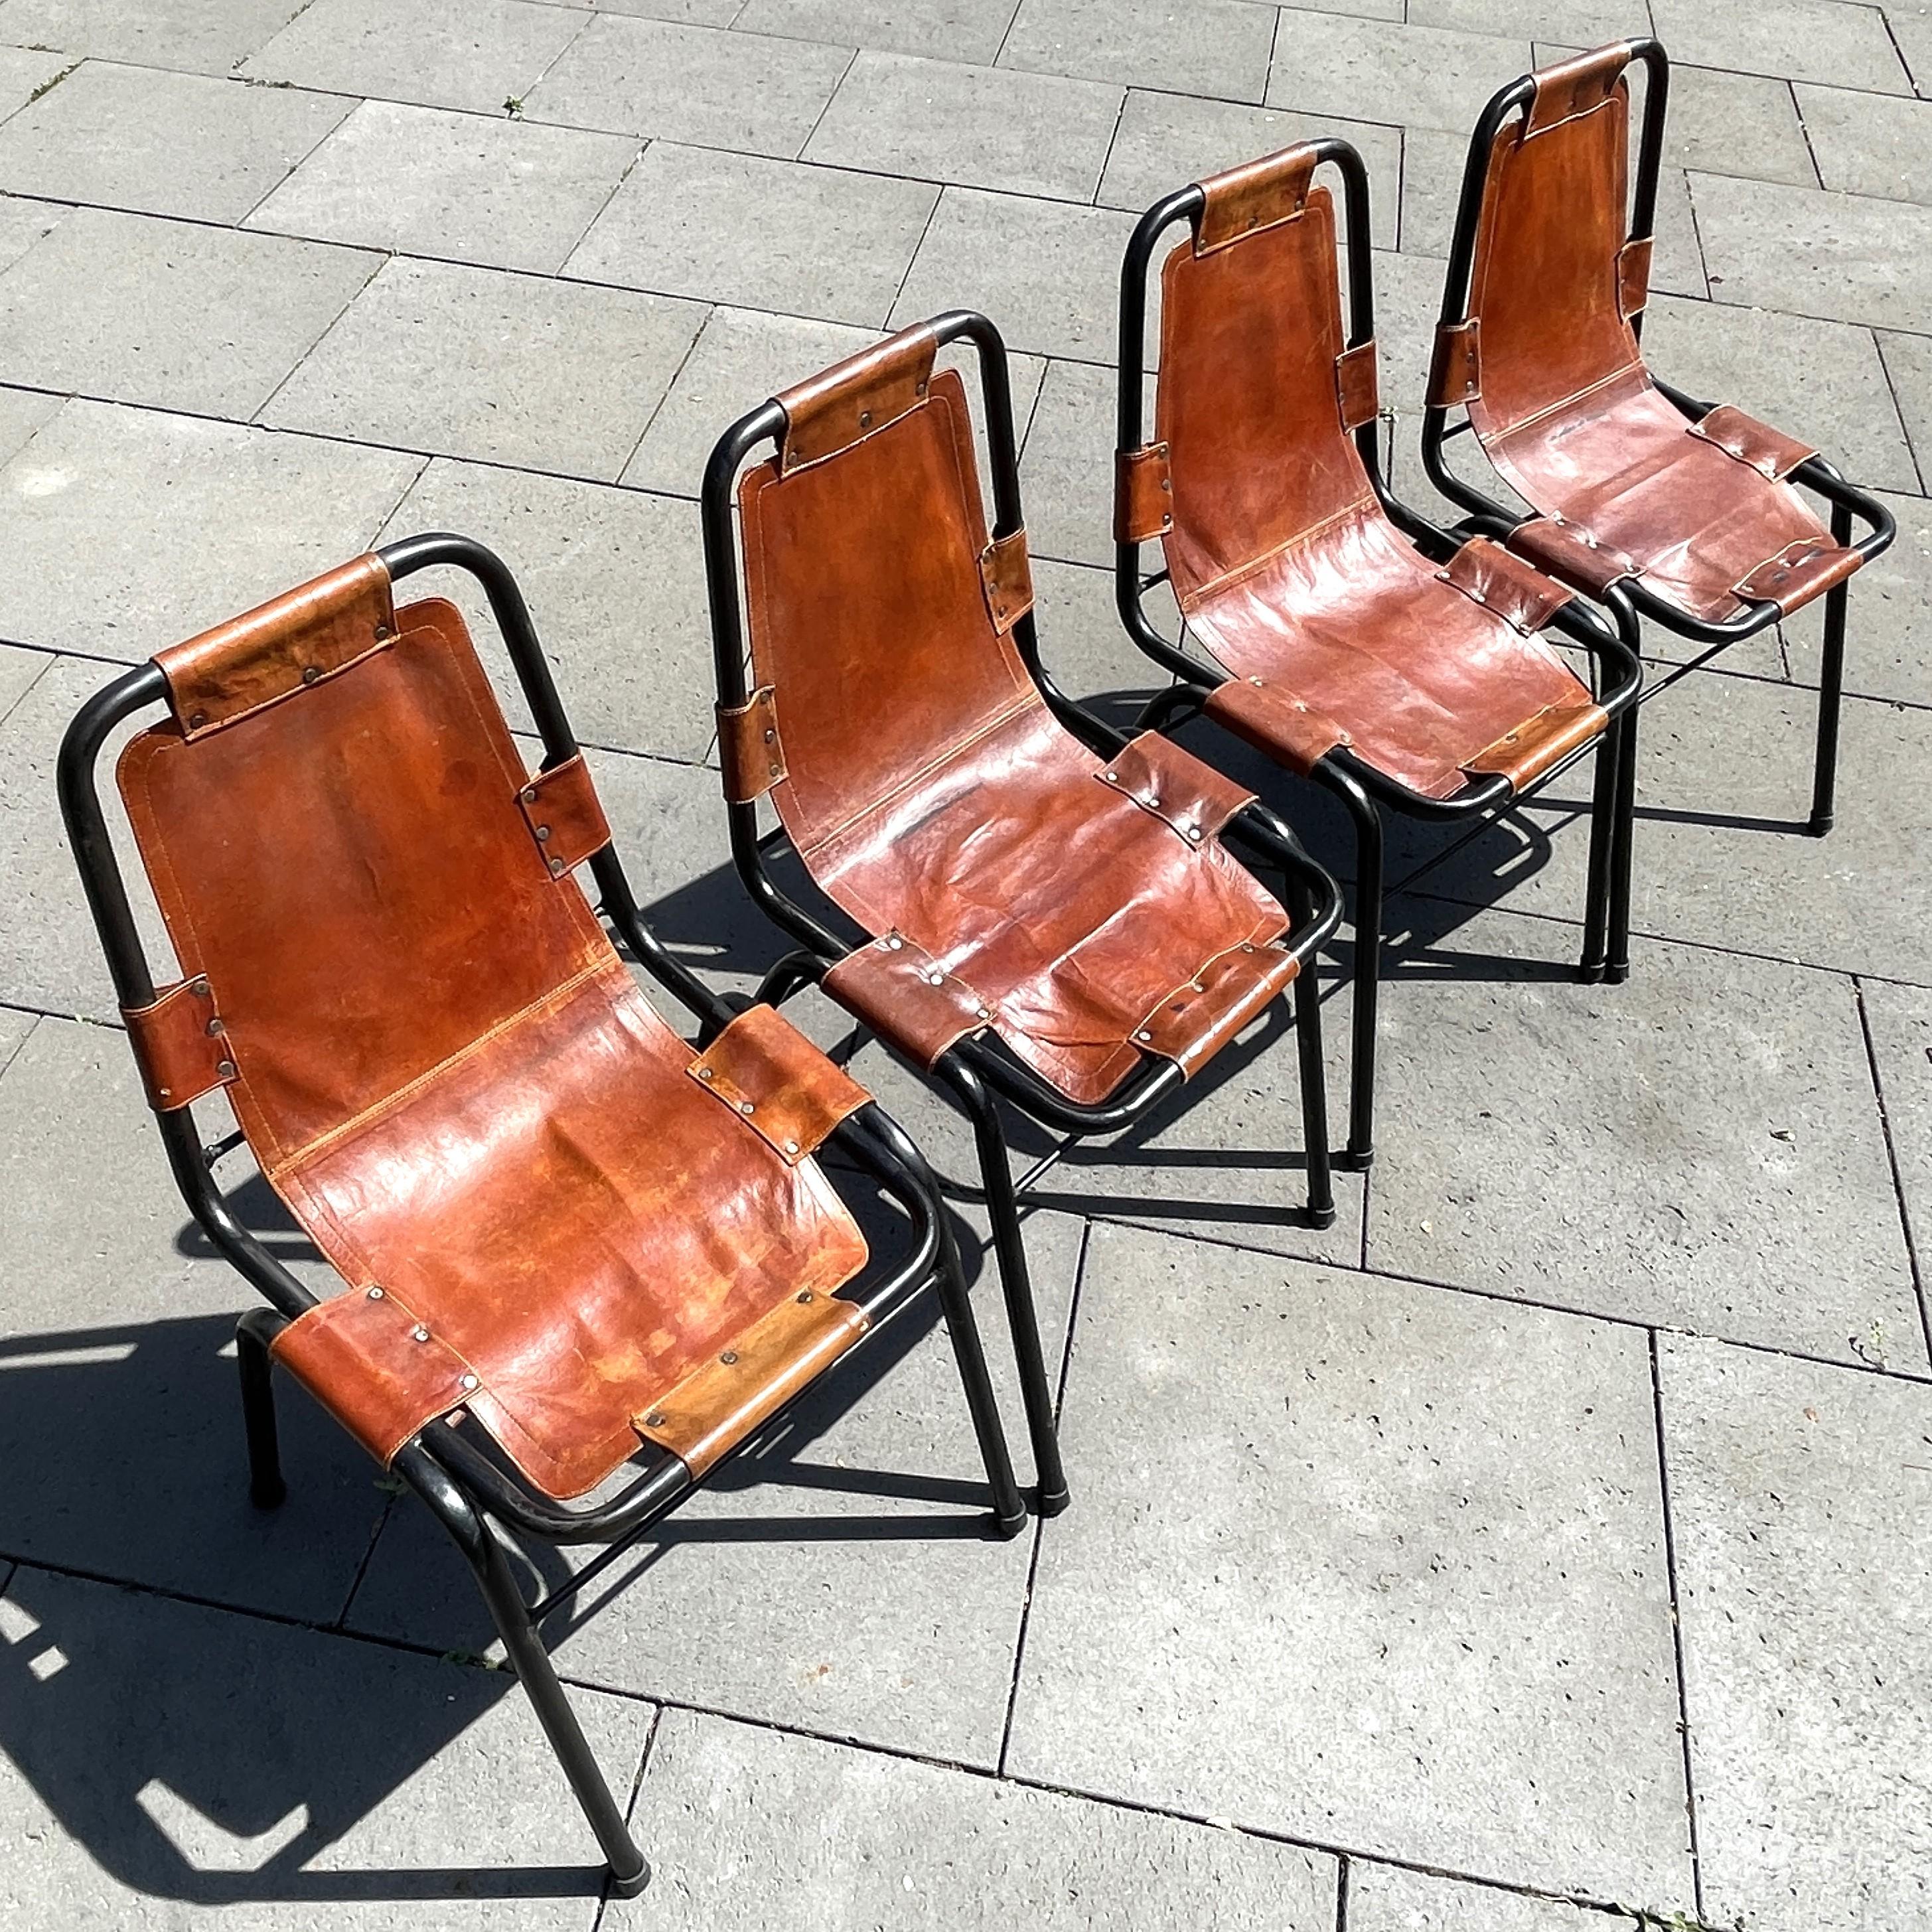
(1346,637)
(1029,908)
(569,1240)
(1657,505)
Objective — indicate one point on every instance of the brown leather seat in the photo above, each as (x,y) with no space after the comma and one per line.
(1082,908)
(551,1214)
(1288,569)
(1545,358)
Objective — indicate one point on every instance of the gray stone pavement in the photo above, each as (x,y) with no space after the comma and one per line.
(1546,1544)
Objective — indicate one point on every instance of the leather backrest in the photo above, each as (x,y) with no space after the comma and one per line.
(867,612)
(346,857)
(1545,286)
(1247,402)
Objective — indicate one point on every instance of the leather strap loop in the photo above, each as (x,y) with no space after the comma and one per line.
(1455,375)
(1275,722)
(1357,393)
(1574,87)
(1143,493)
(750,754)
(180,1045)
(1756,446)
(1525,751)
(1799,572)
(905,996)
(1175,786)
(1633,275)
(1572,555)
(1487,574)
(778,1082)
(1006,577)
(832,410)
(1256,195)
(565,815)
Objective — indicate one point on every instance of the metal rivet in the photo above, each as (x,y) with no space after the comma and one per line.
(311,672)
(216,1029)
(1143,1034)
(919,389)
(543,833)
(805,1294)
(730,1358)
(1167,484)
(705,1073)
(375,1295)
(418,1334)
(791,1146)
(470,1381)
(935,979)
(196,719)
(1153,798)
(225,1068)
(772,771)
(771,737)
(1254,680)
(530,794)
(1194,833)
(1113,777)
(381,631)
(556,867)
(985,1012)
(865,419)
(655,1419)
(746,1107)
(894,943)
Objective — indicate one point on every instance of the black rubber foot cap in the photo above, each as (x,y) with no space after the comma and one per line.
(1819,826)
(1006,1528)
(268,1499)
(1590,975)
(1350,1161)
(1319,1217)
(629,1888)
(1050,1502)
(1614,976)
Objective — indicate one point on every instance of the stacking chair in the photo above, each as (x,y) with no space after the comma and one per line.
(568,1239)
(1026,904)
(1346,637)
(1658,505)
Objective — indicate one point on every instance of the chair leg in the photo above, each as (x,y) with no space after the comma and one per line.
(629,1872)
(1017,1284)
(1300,902)
(1616,965)
(253,1333)
(1009,1513)
(1361,1151)
(1831,689)
(1602,845)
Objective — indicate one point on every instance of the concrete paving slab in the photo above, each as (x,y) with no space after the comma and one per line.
(122,1422)
(1822,381)
(1167,140)
(424,181)
(463,362)
(1606,1170)
(837,1578)
(1737,124)
(985,127)
(130,530)
(19,671)
(1067,464)
(26,71)
(615,582)
(759,95)
(1853,258)
(1868,146)
(1387,1898)
(1216,47)
(476,54)
(170,314)
(1085,651)
(171,1764)
(1586,23)
(1843,45)
(1333,63)
(1890,606)
(1899,1021)
(1797,1497)
(898,1842)
(1048,273)
(1418,1607)
(23,223)
(21,412)
(210,37)
(802,240)
(954,30)
(162,143)
(742,357)
(1910,23)
(1908,362)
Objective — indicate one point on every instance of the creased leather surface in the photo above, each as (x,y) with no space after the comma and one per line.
(1285,565)
(1568,412)
(447,1072)
(930,791)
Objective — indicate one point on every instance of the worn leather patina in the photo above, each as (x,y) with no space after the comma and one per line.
(1338,630)
(547,1217)
(932,794)
(1559,396)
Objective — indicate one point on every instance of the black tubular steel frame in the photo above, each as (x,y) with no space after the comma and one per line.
(1362,789)
(1628,601)
(469,1493)
(979,1069)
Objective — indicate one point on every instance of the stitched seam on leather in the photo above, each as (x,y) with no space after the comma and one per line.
(332,1138)
(1577,396)
(1241,572)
